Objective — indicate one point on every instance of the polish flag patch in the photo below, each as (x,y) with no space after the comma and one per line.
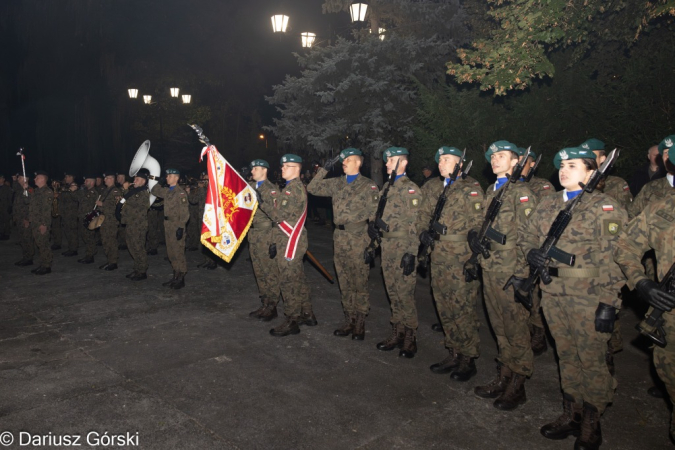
(607,208)
(546,186)
(524,199)
(476,183)
(374,188)
(411,191)
(625,188)
(474,194)
(287,192)
(273,192)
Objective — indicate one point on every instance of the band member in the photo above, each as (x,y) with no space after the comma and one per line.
(132,211)
(40,218)
(22,196)
(108,203)
(70,222)
(86,199)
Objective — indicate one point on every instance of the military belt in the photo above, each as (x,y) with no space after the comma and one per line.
(450,237)
(562,272)
(394,234)
(508,246)
(352,226)
(262,225)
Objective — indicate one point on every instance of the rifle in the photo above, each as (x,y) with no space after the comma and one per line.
(486,230)
(652,325)
(435,227)
(369,252)
(530,174)
(523,288)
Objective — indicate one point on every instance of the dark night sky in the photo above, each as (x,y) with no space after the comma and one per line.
(67,65)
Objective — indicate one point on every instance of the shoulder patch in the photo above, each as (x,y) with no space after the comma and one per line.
(477,206)
(287,192)
(528,211)
(625,187)
(473,194)
(374,188)
(411,191)
(608,207)
(665,215)
(273,192)
(611,227)
(546,186)
(524,199)
(476,183)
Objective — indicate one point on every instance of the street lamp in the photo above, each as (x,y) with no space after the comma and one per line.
(147,99)
(133,93)
(279,23)
(186,98)
(380,33)
(358,12)
(308,39)
(174,92)
(261,137)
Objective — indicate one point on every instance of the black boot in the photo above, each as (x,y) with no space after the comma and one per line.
(447,365)
(36,269)
(24,262)
(132,274)
(538,340)
(359,332)
(591,435)
(110,267)
(568,424)
(409,343)
(70,253)
(514,394)
(43,271)
(347,328)
(86,260)
(497,386)
(255,314)
(139,276)
(394,340)
(307,318)
(269,312)
(465,370)
(172,280)
(180,281)
(290,326)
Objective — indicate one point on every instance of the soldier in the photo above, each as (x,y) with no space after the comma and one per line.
(120,182)
(155,225)
(654,228)
(40,218)
(508,318)
(455,298)
(86,199)
(22,196)
(260,238)
(541,189)
(132,211)
(68,207)
(5,208)
(56,225)
(100,187)
(108,204)
(580,303)
(176,215)
(399,248)
(657,189)
(355,200)
(290,240)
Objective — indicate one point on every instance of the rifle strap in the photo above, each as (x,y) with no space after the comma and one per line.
(562,272)
(451,238)
(395,234)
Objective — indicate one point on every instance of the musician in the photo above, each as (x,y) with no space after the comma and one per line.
(176,215)
(132,211)
(40,218)
(70,221)
(56,228)
(5,208)
(22,196)
(107,204)
(86,199)
(122,182)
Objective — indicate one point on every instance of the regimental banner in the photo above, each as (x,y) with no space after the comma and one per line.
(230,206)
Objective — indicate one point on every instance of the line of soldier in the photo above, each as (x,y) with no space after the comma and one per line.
(580,303)
(41,213)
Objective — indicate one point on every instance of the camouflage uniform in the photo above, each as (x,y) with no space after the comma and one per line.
(618,189)
(571,299)
(20,213)
(289,207)
(110,225)
(653,228)
(68,207)
(56,223)
(455,298)
(155,224)
(353,204)
(87,200)
(194,225)
(135,216)
(260,237)
(5,209)
(40,213)
(652,192)
(176,215)
(508,318)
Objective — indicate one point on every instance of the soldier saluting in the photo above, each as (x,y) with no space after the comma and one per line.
(132,211)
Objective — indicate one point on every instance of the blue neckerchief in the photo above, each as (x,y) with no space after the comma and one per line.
(571,194)
(171,188)
(399,176)
(259,183)
(522,179)
(289,181)
(447,180)
(351,178)
(500,182)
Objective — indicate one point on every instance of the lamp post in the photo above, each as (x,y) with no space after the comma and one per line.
(358,11)
(279,23)
(307,39)
(263,137)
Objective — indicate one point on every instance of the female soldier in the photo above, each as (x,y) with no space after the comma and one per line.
(580,302)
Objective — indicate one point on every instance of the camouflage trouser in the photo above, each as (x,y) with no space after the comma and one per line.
(615,343)
(581,350)
(509,323)
(109,238)
(135,236)
(26,240)
(89,237)
(265,269)
(664,361)
(292,280)
(69,223)
(400,288)
(43,247)
(56,235)
(352,271)
(175,249)
(536,318)
(456,306)
(122,236)
(155,231)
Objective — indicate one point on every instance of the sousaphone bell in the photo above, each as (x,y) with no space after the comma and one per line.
(143,160)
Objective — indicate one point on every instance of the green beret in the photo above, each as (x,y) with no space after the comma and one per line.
(667,143)
(447,151)
(290,157)
(572,153)
(41,172)
(260,163)
(90,175)
(172,172)
(593,144)
(501,146)
(344,154)
(109,174)
(394,151)
(522,151)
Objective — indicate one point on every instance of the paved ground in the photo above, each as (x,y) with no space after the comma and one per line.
(83,350)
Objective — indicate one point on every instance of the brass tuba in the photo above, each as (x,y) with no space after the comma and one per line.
(56,187)
(143,160)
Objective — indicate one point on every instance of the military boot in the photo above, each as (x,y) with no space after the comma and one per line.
(465,370)
(139,276)
(172,280)
(43,271)
(568,424)
(514,394)
(23,262)
(497,386)
(269,313)
(409,343)
(591,435)
(132,274)
(290,326)
(180,281)
(538,340)
(70,253)
(307,318)
(359,333)
(447,365)
(347,328)
(394,340)
(256,314)
(86,260)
